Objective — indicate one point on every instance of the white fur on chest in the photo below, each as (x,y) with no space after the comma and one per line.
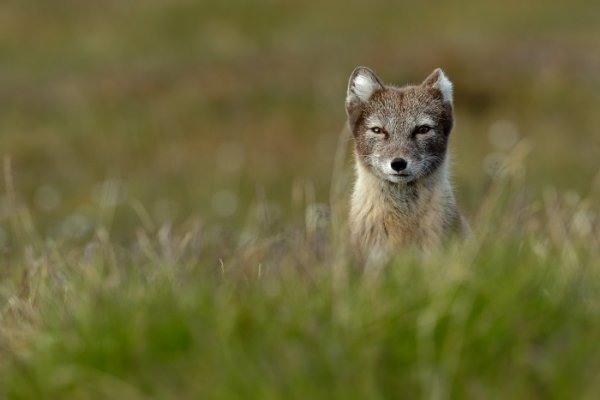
(385,216)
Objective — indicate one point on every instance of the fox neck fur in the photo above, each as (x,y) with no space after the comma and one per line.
(386,216)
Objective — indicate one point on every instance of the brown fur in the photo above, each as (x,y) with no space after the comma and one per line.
(391,211)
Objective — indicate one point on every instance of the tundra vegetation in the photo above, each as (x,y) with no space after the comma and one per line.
(175,178)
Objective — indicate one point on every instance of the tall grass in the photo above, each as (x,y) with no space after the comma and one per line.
(283,311)
(162,232)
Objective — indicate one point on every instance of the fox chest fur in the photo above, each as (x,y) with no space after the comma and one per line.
(387,217)
(402,194)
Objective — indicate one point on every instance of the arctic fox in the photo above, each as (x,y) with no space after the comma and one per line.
(402,194)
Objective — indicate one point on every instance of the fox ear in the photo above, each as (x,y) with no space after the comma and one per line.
(363,83)
(438,80)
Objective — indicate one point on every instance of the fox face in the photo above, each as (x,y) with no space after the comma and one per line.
(400,134)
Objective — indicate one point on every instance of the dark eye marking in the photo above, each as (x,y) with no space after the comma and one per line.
(422,129)
(379,131)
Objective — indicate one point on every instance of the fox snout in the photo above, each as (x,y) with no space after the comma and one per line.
(398,164)
(395,169)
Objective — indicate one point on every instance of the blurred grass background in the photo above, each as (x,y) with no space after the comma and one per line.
(199,107)
(158,225)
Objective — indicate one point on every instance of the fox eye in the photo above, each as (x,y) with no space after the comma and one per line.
(419,130)
(376,130)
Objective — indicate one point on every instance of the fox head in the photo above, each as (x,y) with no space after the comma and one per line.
(400,134)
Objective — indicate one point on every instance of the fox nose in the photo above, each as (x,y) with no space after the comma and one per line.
(398,164)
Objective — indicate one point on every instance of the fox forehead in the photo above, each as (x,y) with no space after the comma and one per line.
(395,121)
(411,105)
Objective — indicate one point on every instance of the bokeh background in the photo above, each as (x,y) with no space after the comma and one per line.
(167,111)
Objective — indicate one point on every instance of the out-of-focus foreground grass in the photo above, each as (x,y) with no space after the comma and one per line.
(163,162)
(514,313)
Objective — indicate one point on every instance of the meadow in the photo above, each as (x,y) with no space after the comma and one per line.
(175,178)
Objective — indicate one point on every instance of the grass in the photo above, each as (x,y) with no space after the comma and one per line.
(512,313)
(169,166)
